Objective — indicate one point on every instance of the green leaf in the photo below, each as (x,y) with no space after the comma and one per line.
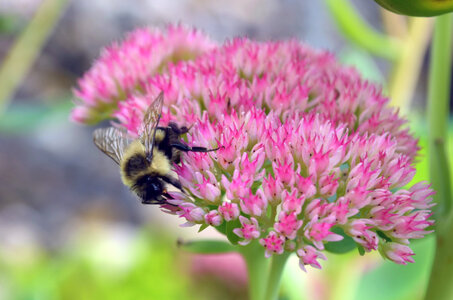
(203,227)
(418,8)
(391,281)
(255,186)
(25,117)
(383,236)
(345,245)
(361,250)
(221,228)
(207,247)
(8,23)
(232,237)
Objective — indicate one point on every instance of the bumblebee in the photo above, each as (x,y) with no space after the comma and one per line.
(145,163)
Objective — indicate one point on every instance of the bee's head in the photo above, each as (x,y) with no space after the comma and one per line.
(149,188)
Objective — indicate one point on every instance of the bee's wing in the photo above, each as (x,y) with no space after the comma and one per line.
(150,123)
(111,141)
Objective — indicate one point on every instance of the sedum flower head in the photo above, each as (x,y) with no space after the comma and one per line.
(309,153)
(123,68)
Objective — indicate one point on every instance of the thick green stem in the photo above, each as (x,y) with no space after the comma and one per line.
(359,32)
(438,110)
(440,285)
(258,268)
(275,275)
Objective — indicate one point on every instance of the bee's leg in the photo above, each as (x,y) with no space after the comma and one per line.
(174,182)
(187,148)
(152,201)
(185,129)
(160,201)
(179,130)
(167,197)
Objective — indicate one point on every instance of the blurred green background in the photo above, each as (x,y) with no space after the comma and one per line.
(70,230)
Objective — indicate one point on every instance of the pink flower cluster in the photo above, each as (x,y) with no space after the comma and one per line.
(289,183)
(309,154)
(123,69)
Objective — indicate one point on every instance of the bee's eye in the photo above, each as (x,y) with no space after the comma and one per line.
(155,187)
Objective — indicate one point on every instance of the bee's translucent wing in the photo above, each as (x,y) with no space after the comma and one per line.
(112,141)
(150,123)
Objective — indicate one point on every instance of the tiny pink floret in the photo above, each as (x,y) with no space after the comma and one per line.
(273,244)
(250,230)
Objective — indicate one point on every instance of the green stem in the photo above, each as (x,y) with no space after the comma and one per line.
(275,275)
(257,268)
(440,286)
(27,47)
(407,68)
(359,32)
(438,110)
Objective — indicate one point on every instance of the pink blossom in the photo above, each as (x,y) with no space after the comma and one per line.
(284,171)
(319,161)
(123,68)
(254,205)
(401,254)
(288,225)
(411,226)
(328,185)
(319,232)
(308,255)
(272,190)
(363,175)
(305,145)
(81,114)
(213,218)
(207,187)
(343,210)
(291,203)
(383,217)
(420,195)
(238,187)
(305,186)
(273,244)
(229,211)
(357,195)
(250,230)
(249,166)
(191,213)
(359,230)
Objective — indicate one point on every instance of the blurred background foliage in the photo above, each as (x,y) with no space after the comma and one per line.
(68,227)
